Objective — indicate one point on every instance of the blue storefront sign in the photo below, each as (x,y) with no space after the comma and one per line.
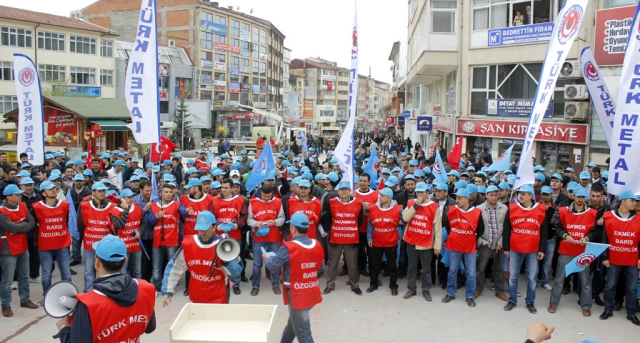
(406,114)
(425,123)
(234,71)
(525,34)
(211,27)
(513,108)
(245,52)
(400,120)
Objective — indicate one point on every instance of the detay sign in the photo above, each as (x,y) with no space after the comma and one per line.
(548,132)
(525,34)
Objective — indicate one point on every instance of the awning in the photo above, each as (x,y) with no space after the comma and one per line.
(111,125)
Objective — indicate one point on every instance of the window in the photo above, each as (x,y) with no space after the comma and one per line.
(106,48)
(235,28)
(443,16)
(206,75)
(163,82)
(326,113)
(234,78)
(343,92)
(255,68)
(619,3)
(263,69)
(207,40)
(207,55)
(343,102)
(82,45)
(50,41)
(493,14)
(219,96)
(6,71)
(221,20)
(245,63)
(206,16)
(343,74)
(256,35)
(83,76)
(52,73)
(221,39)
(220,76)
(245,79)
(11,36)
(263,49)
(106,77)
(246,45)
(235,62)
(246,27)
(255,50)
(205,95)
(263,36)
(343,83)
(8,103)
(234,96)
(220,58)
(235,41)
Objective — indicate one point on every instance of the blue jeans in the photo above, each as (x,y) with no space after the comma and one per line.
(46,262)
(257,263)
(135,259)
(515,262)
(298,325)
(236,280)
(159,254)
(89,269)
(76,249)
(631,274)
(470,271)
(546,262)
(11,265)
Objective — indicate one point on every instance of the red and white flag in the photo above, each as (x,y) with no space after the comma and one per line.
(161,151)
(455,154)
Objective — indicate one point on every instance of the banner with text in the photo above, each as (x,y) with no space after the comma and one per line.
(600,96)
(514,108)
(30,116)
(612,31)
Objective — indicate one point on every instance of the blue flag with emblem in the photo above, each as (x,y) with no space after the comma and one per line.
(211,158)
(372,166)
(154,185)
(438,169)
(303,139)
(72,224)
(504,161)
(582,261)
(264,164)
(445,252)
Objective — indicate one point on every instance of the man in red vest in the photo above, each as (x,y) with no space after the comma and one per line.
(465,226)
(300,259)
(15,222)
(622,232)
(265,217)
(525,240)
(94,222)
(345,216)
(118,309)
(198,255)
(51,216)
(126,218)
(368,196)
(575,228)
(423,236)
(385,217)
(306,203)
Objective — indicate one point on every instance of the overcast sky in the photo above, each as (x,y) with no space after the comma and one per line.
(312,28)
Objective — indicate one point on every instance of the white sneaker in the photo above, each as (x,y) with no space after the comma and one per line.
(14,285)
(35,280)
(547,287)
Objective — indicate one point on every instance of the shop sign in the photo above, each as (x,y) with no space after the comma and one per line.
(445,124)
(255,89)
(245,52)
(245,69)
(211,27)
(163,69)
(245,36)
(234,71)
(514,108)
(437,109)
(206,64)
(234,87)
(263,57)
(524,34)
(239,117)
(548,132)
(219,88)
(245,87)
(219,83)
(307,112)
(328,77)
(61,128)
(163,94)
(400,120)
(226,47)
(612,31)
(206,82)
(425,123)
(406,114)
(219,66)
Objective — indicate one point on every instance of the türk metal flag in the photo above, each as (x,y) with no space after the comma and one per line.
(30,111)
(600,96)
(141,81)
(564,32)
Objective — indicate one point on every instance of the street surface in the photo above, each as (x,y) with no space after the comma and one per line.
(375,317)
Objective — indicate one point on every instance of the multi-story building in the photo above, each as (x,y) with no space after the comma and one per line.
(239,56)
(474,67)
(342,96)
(286,62)
(398,57)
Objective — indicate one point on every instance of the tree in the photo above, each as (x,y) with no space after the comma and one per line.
(181,124)
(58,88)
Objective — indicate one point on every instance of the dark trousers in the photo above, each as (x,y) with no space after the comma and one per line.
(364,253)
(147,264)
(442,271)
(34,255)
(376,262)
(243,243)
(597,281)
(631,277)
(403,261)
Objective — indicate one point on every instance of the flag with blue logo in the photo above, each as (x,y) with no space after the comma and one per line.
(438,169)
(154,185)
(211,159)
(303,139)
(582,261)
(503,162)
(445,252)
(72,224)
(264,165)
(372,166)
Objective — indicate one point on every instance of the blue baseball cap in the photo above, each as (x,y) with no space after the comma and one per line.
(87,172)
(138,172)
(413,163)
(285,163)
(396,169)
(390,156)
(167,163)
(204,221)
(287,153)
(79,162)
(320,176)
(592,164)
(421,187)
(546,190)
(386,192)
(568,169)
(99,186)
(344,184)
(200,151)
(472,189)
(557,176)
(105,155)
(441,186)
(48,156)
(623,196)
(333,160)
(427,170)
(84,154)
(299,219)
(243,152)
(57,154)
(192,170)
(605,174)
(46,185)
(149,165)
(216,184)
(156,169)
(110,248)
(118,163)
(193,182)
(27,181)
(296,180)
(54,177)
(293,170)
(410,177)
(471,168)
(391,181)
(526,189)
(418,173)
(507,172)
(235,166)
(465,174)
(585,175)
(23,173)
(572,185)
(190,161)
(330,153)
(69,163)
(454,173)
(304,183)
(538,168)
(126,193)
(386,171)
(307,175)
(580,191)
(540,177)
(236,182)
(178,155)
(134,178)
(505,186)
(490,189)
(333,177)
(78,177)
(462,193)
(295,159)
(205,178)
(461,184)
(11,189)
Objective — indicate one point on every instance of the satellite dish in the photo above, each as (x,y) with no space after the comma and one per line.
(251,11)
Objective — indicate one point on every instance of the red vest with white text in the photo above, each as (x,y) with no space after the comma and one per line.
(133,224)
(17,242)
(385,223)
(462,229)
(228,211)
(53,232)
(311,208)
(623,236)
(165,232)
(112,323)
(265,211)
(525,227)
(344,227)
(204,288)
(197,205)
(419,230)
(97,223)
(577,225)
(304,263)
(371,198)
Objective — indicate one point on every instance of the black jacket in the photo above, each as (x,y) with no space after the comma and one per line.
(122,289)
(563,200)
(403,198)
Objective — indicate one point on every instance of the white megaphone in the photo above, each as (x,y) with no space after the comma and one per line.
(60,300)
(228,249)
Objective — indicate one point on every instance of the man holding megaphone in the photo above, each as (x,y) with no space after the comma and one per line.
(118,306)
(210,259)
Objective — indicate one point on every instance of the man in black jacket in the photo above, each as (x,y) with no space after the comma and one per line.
(403,198)
(443,200)
(559,198)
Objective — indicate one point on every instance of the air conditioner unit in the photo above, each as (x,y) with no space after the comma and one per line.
(576,92)
(570,70)
(171,43)
(576,110)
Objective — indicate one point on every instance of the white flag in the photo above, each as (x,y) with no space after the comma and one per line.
(564,32)
(141,82)
(625,138)
(344,149)
(600,95)
(30,111)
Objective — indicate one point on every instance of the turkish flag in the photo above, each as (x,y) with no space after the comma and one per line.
(329,85)
(286,173)
(381,185)
(89,155)
(167,147)
(455,154)
(421,166)
(202,166)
